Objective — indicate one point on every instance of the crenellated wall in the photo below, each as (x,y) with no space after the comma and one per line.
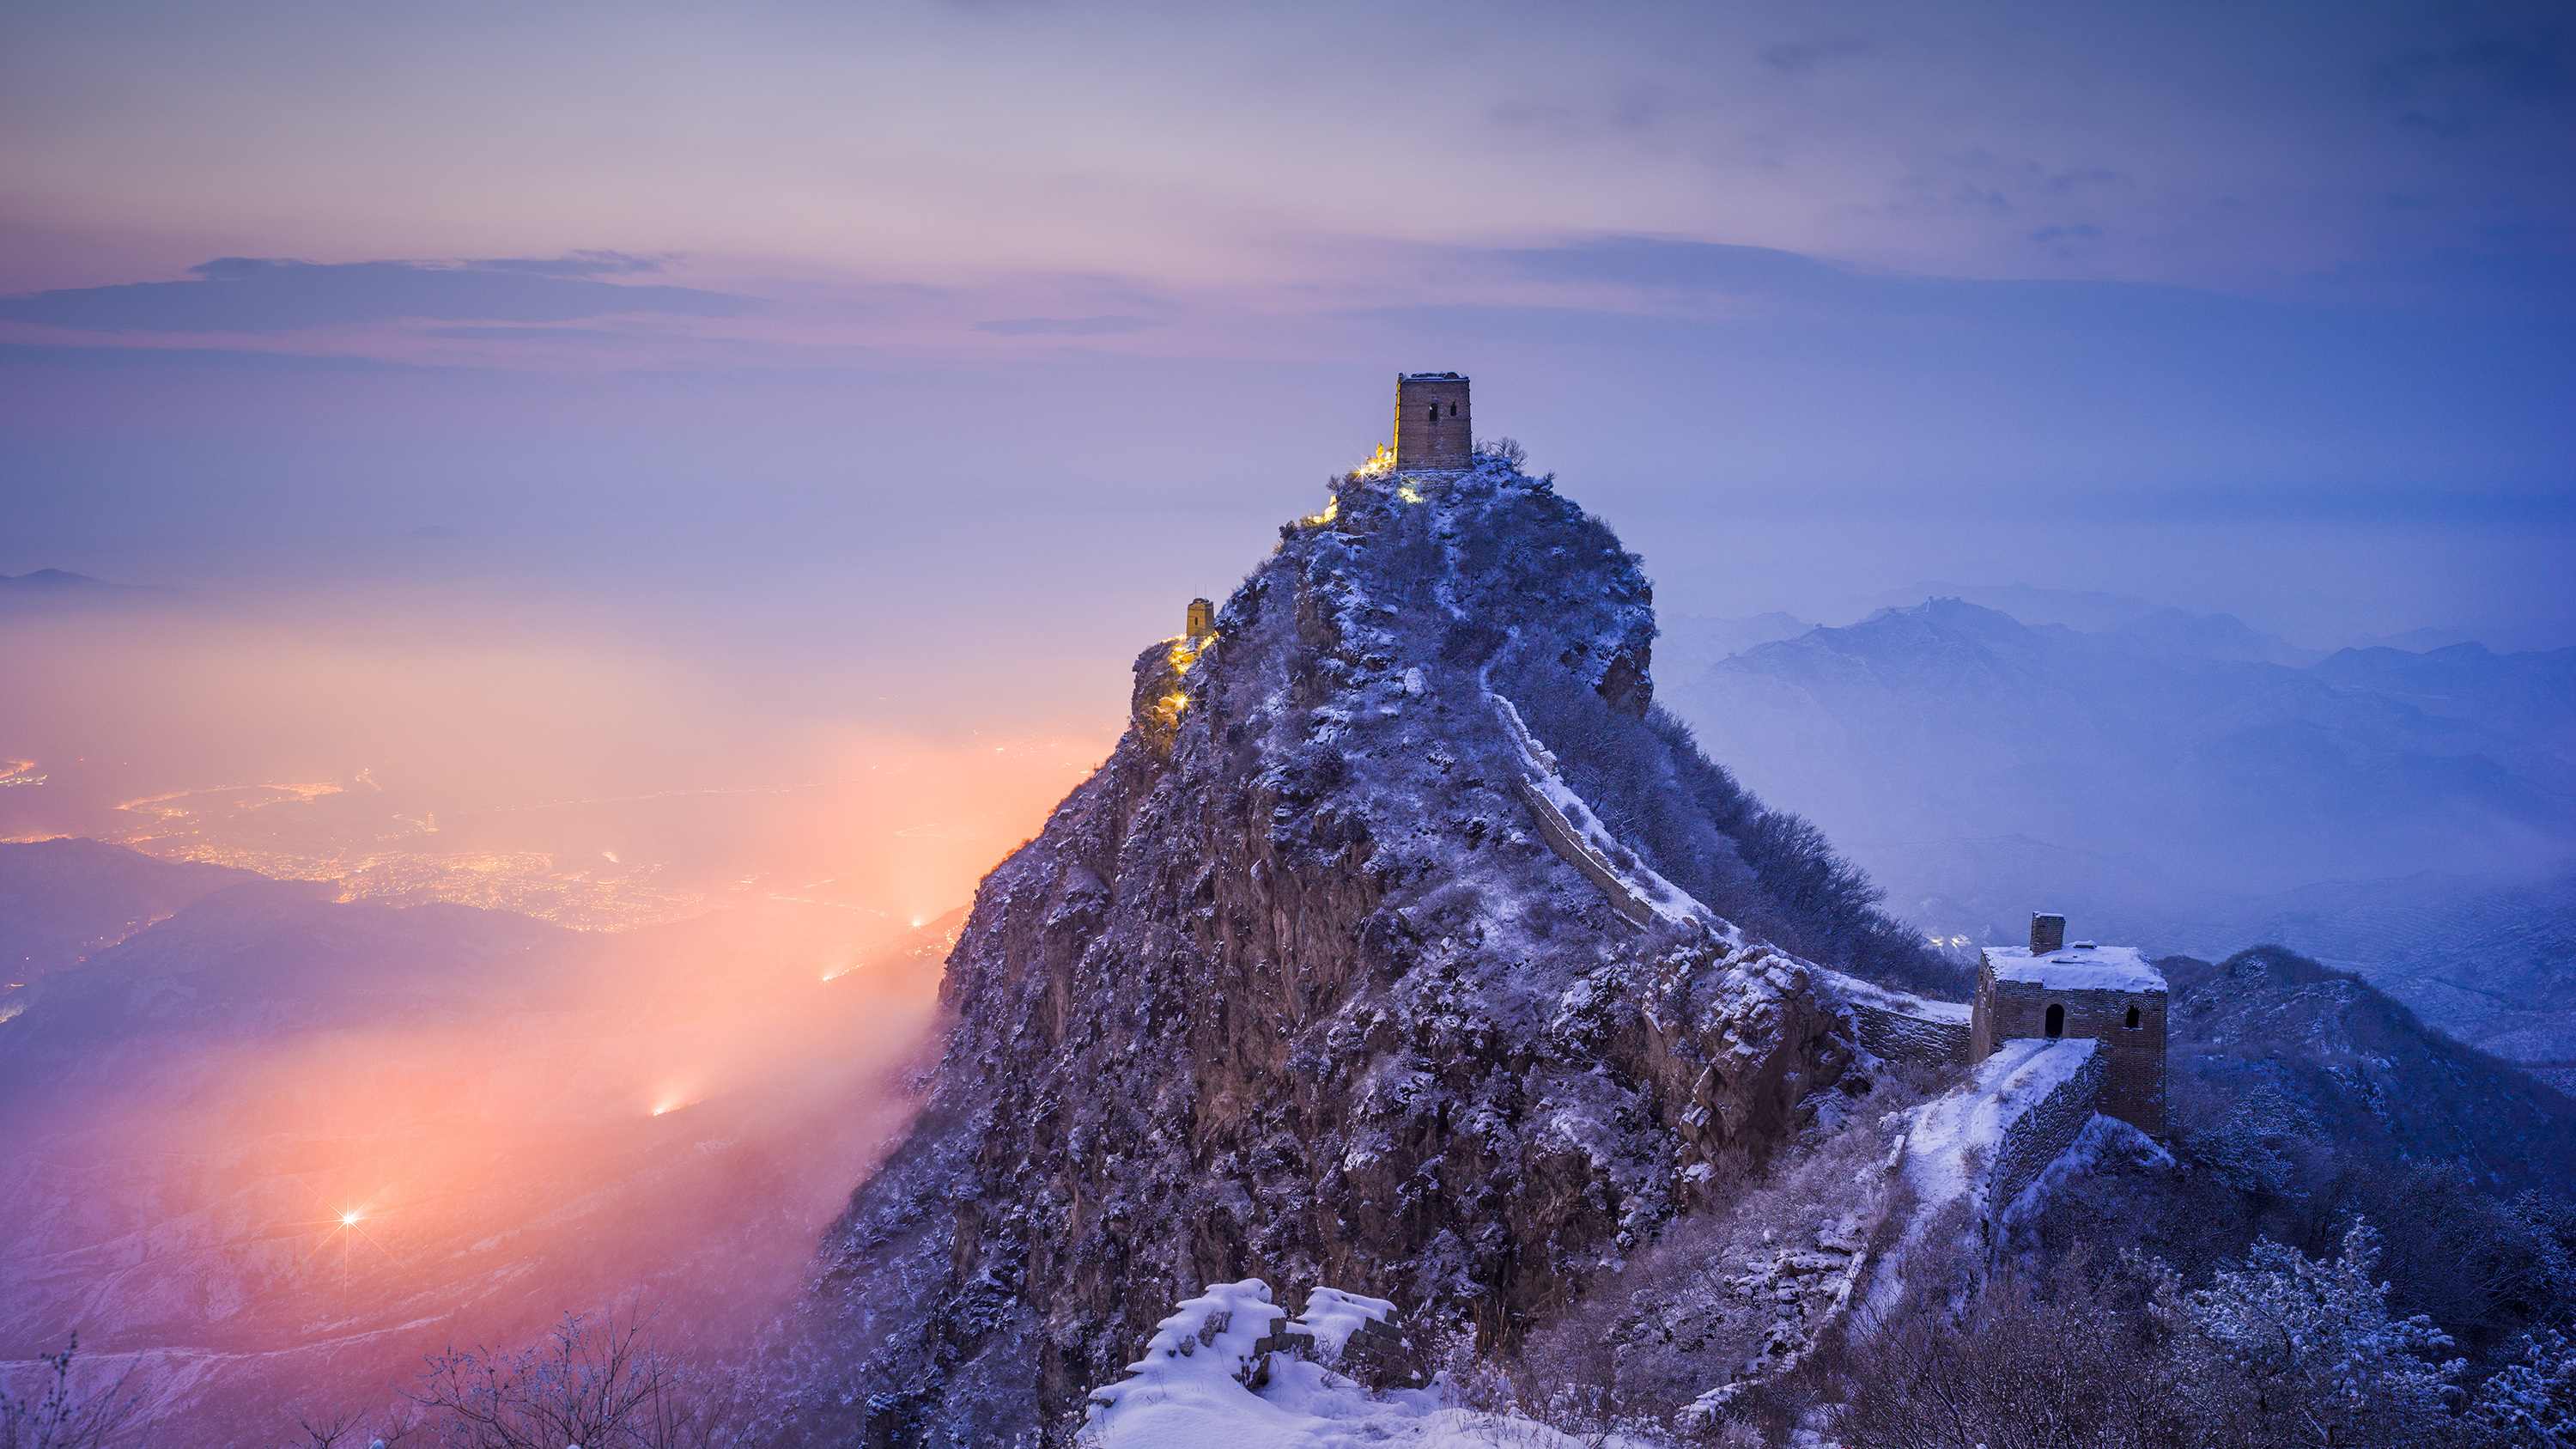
(1894,1025)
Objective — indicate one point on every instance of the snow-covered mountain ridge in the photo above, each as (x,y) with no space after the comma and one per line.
(1293,988)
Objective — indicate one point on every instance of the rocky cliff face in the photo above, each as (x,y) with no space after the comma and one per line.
(1292,988)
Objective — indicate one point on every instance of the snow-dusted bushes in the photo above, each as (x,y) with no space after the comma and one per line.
(1732,1291)
(2065,1360)
(597,1383)
(2317,1341)
(2280,1349)
(2530,1403)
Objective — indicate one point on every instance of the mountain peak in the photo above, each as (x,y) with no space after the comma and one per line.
(1295,986)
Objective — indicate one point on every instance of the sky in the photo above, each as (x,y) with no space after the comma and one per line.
(614,463)
(893,372)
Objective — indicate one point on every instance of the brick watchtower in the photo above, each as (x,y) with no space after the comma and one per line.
(1432,429)
(2108,993)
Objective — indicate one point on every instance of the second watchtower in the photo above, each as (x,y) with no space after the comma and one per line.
(1432,428)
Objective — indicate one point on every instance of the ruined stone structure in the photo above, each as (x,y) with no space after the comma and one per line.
(2107,994)
(1433,431)
(1902,1027)
(2039,1125)
(1201,622)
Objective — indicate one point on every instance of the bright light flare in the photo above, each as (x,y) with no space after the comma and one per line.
(352,1218)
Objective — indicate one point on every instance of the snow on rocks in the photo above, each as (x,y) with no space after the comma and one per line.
(1206,1379)
(1332,1316)
(1214,1338)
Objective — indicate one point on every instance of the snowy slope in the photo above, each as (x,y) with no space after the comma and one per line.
(1293,988)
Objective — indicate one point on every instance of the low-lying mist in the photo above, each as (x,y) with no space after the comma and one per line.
(595,769)
(283,1145)
(560,967)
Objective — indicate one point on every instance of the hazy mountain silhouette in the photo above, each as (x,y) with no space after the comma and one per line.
(62,899)
(2176,780)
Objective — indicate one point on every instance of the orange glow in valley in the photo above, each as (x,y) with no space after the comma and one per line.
(656,907)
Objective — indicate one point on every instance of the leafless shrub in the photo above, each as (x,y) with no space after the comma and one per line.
(316,1429)
(600,1385)
(2069,1359)
(64,1412)
(331,1429)
(1503,449)
(1700,1306)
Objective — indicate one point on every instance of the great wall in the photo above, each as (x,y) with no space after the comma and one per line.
(2055,1035)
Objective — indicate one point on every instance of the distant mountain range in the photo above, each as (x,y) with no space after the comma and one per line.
(2183,780)
(51,591)
(53,581)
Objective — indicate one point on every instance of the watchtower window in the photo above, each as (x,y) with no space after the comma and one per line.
(2133,1018)
(2056,1020)
(1453,410)
(1431,414)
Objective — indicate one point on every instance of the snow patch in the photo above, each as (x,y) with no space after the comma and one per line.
(1332,1316)
(1956,1138)
(1189,1391)
(1854,991)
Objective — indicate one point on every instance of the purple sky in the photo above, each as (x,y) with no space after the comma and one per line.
(901,331)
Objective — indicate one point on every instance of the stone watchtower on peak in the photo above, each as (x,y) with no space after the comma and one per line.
(1433,431)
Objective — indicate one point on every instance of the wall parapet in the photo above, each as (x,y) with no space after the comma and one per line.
(1894,1025)
(2047,1125)
(1989,1140)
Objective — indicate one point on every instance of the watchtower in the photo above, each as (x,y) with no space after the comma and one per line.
(2106,993)
(1201,621)
(1433,431)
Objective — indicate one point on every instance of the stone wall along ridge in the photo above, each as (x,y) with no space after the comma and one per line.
(1894,1025)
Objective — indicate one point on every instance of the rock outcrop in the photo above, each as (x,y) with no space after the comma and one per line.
(1293,988)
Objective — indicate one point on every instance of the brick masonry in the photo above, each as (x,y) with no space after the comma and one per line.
(1904,1037)
(2045,1129)
(2134,1089)
(1433,428)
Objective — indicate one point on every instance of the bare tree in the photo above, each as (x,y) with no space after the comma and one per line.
(321,1430)
(64,1414)
(601,1385)
(333,1429)
(2049,1361)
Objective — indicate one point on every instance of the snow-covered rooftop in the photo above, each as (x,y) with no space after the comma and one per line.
(2077,968)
